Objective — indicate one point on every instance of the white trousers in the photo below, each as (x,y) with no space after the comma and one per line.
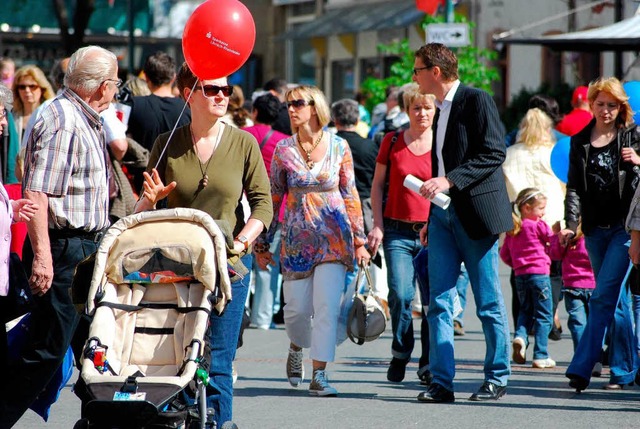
(318,298)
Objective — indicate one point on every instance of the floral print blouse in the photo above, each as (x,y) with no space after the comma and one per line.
(323,216)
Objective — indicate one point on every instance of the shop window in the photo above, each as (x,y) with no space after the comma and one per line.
(342,79)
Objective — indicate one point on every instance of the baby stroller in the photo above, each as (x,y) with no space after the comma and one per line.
(157,275)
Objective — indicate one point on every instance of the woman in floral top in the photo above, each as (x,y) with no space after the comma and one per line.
(322,232)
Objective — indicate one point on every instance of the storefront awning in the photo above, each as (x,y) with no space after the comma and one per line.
(621,36)
(356,19)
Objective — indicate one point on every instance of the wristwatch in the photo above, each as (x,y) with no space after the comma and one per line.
(244,240)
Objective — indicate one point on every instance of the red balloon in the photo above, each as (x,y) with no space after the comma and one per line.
(218,38)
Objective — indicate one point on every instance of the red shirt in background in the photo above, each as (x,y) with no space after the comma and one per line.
(18,229)
(259,131)
(574,121)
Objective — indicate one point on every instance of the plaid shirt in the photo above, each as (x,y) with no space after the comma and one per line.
(66,159)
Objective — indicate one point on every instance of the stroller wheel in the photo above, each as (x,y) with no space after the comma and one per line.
(81,424)
(229,425)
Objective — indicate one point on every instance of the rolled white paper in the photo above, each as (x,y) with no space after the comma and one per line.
(413,183)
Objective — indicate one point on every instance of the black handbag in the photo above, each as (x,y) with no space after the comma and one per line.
(634,280)
(18,301)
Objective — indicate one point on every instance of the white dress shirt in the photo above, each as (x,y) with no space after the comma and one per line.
(443,120)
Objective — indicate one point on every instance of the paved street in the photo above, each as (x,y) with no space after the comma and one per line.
(535,398)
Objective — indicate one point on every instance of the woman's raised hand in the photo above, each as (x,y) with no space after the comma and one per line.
(154,189)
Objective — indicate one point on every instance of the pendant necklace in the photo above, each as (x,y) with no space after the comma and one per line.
(205,177)
(309,162)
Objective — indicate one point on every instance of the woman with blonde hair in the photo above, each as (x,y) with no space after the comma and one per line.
(601,182)
(30,89)
(322,233)
(528,164)
(399,225)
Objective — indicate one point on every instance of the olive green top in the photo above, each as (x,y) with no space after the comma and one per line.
(235,166)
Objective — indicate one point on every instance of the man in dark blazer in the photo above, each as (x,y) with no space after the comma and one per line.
(467,157)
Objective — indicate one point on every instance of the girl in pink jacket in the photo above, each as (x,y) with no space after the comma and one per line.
(526,250)
(578,281)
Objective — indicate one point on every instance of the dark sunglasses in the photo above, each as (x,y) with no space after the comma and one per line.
(32,87)
(300,103)
(417,69)
(213,90)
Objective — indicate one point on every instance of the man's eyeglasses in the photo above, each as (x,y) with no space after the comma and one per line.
(116,82)
(300,103)
(213,90)
(32,87)
(3,114)
(417,69)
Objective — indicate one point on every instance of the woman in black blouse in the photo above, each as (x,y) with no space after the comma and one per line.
(603,175)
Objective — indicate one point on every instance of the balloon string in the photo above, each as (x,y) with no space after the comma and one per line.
(175,126)
(164,149)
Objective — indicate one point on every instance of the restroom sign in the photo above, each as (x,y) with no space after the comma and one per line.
(454,35)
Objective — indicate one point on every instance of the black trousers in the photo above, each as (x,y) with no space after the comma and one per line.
(4,351)
(53,323)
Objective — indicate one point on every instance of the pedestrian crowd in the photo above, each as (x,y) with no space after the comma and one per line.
(308,193)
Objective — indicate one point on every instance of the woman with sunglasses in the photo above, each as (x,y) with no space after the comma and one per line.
(322,232)
(208,166)
(30,89)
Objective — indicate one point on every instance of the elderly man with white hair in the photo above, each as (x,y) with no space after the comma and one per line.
(66,175)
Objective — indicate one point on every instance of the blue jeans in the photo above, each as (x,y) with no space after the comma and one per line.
(636,319)
(223,339)
(449,246)
(266,300)
(400,247)
(576,302)
(608,253)
(461,286)
(536,311)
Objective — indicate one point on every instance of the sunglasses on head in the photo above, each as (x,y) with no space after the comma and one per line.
(32,87)
(300,103)
(213,90)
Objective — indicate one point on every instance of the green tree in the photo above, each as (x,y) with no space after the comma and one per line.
(473,65)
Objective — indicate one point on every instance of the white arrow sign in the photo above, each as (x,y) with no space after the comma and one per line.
(452,35)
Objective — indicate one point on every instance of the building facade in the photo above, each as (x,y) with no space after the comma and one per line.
(333,44)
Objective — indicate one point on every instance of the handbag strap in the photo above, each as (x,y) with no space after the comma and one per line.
(363,269)
(266,138)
